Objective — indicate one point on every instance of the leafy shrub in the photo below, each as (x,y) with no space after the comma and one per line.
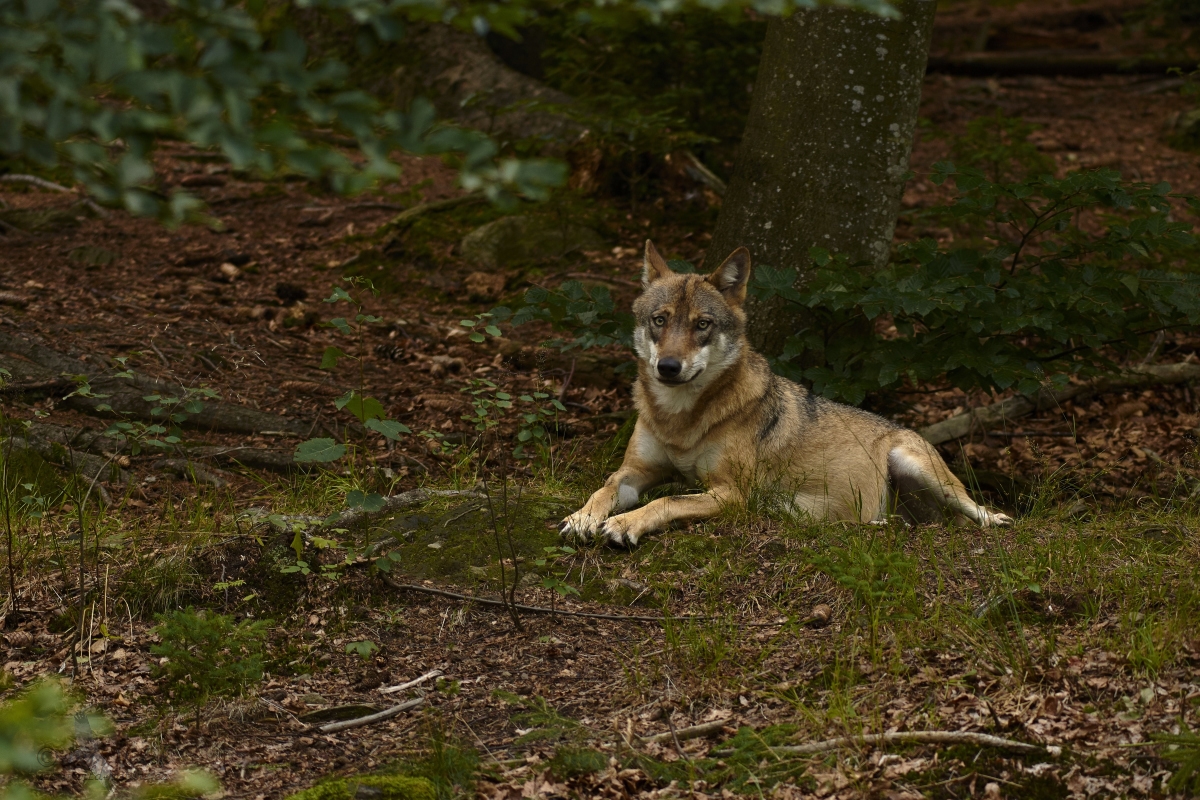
(589,315)
(1055,298)
(32,725)
(91,86)
(208,654)
(1184,749)
(697,65)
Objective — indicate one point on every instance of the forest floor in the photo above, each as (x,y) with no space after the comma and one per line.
(1079,629)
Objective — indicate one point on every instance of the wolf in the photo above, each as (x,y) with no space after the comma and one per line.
(711,412)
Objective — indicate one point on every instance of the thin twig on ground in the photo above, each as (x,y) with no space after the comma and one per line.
(683,734)
(916,737)
(372,718)
(433,673)
(36,181)
(1023,405)
(486,601)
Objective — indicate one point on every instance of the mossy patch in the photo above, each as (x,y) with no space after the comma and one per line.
(458,545)
(377,787)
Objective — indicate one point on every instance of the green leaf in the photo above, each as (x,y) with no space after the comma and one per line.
(364,648)
(330,358)
(319,450)
(362,501)
(364,408)
(388,427)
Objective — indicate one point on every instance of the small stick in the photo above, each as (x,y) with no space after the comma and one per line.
(562,393)
(36,181)
(433,673)
(816,621)
(160,355)
(382,715)
(278,709)
(920,737)
(683,734)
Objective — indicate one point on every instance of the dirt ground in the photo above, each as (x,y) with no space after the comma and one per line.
(236,307)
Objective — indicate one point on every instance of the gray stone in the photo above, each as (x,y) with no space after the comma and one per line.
(511,240)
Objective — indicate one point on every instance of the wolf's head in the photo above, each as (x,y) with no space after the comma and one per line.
(690,328)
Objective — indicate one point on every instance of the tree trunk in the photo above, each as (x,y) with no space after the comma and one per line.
(826,145)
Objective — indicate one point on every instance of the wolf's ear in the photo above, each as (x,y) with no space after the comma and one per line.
(653,266)
(731,277)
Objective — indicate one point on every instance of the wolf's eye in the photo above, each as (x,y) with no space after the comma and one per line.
(660,320)
(703,324)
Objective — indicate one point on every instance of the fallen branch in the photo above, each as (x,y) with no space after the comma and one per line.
(683,734)
(486,601)
(433,673)
(1023,405)
(984,66)
(91,467)
(917,737)
(354,517)
(189,470)
(368,720)
(410,215)
(36,181)
(36,362)
(697,171)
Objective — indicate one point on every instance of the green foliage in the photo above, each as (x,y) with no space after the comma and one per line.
(31,726)
(489,403)
(93,85)
(882,580)
(322,450)
(573,762)
(365,648)
(1054,298)
(367,410)
(208,654)
(449,766)
(389,787)
(589,315)
(1184,749)
(539,721)
(691,72)
(549,579)
(172,410)
(187,784)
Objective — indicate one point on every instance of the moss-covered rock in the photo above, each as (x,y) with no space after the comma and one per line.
(370,787)
(521,239)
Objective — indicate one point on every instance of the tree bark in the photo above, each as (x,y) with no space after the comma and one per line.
(826,146)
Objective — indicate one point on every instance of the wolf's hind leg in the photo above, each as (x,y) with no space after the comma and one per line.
(918,469)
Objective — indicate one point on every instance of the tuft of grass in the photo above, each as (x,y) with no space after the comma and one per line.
(572,762)
(448,765)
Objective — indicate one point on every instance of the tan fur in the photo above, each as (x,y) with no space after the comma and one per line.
(735,427)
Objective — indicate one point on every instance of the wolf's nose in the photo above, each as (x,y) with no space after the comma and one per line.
(669,367)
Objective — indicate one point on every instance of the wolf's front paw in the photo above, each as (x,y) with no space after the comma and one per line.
(621,531)
(579,527)
(997,520)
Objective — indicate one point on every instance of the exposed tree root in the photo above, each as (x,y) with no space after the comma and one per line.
(985,65)
(815,621)
(91,467)
(1023,405)
(34,363)
(904,737)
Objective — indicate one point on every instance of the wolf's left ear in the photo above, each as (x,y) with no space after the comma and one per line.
(732,276)
(654,266)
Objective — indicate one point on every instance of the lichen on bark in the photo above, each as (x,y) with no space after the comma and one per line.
(826,145)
